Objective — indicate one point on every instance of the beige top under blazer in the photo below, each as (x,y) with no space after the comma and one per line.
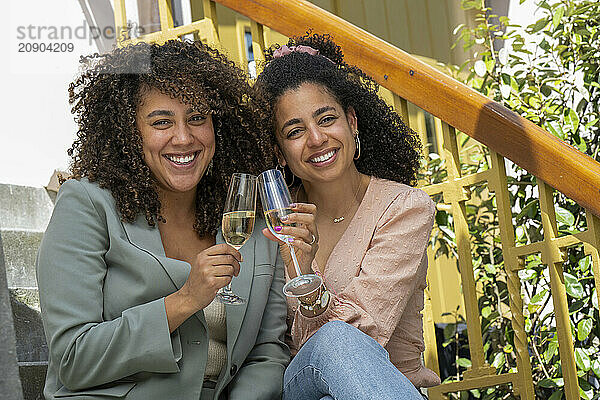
(102,285)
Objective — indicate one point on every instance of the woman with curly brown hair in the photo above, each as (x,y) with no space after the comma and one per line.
(132,258)
(353,159)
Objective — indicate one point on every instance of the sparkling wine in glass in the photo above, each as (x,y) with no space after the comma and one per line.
(276,200)
(238,222)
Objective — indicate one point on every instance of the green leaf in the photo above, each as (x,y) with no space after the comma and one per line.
(539,297)
(558,14)
(514,84)
(530,208)
(584,264)
(560,382)
(499,360)
(564,216)
(490,269)
(595,121)
(584,327)
(547,383)
(489,64)
(551,351)
(538,26)
(596,367)
(534,263)
(486,311)
(572,120)
(582,360)
(555,128)
(556,395)
(464,362)
(544,45)
(449,331)
(573,287)
(595,299)
(546,90)
(582,146)
(533,308)
(585,395)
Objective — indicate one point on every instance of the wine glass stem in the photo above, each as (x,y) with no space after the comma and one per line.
(294,259)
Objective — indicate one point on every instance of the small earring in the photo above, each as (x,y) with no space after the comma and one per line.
(281,168)
(357,142)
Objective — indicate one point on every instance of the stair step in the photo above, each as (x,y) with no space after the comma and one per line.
(25,207)
(33,377)
(20,251)
(29,332)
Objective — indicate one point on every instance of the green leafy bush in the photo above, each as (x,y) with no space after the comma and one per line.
(549,73)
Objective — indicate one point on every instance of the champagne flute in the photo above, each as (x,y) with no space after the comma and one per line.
(238,222)
(276,200)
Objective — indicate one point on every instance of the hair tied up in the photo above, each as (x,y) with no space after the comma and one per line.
(285,50)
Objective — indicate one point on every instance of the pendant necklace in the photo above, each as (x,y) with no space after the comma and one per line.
(341,217)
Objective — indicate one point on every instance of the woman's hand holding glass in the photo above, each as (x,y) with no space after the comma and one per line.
(301,228)
(277,206)
(211,269)
(238,222)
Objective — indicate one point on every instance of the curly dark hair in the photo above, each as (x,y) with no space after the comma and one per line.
(108,148)
(389,148)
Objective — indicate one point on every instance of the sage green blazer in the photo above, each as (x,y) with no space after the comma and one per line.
(102,285)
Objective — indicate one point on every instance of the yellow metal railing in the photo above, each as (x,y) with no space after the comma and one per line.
(205,29)
(576,176)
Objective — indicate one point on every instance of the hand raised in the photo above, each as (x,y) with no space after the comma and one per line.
(211,269)
(301,228)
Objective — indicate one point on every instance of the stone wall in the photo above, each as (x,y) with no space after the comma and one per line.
(24,215)
(10,384)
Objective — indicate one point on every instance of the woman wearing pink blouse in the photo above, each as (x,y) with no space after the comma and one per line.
(350,160)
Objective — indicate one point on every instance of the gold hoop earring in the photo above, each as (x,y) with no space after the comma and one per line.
(282,169)
(357,143)
(209,170)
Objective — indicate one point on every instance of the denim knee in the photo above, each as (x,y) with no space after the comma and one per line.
(338,339)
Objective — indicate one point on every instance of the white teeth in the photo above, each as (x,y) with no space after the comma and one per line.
(182,159)
(322,158)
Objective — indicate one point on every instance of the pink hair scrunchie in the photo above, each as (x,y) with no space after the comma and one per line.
(285,50)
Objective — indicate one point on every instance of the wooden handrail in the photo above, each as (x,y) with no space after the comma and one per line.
(505,132)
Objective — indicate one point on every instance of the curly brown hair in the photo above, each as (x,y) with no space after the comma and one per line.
(389,148)
(108,148)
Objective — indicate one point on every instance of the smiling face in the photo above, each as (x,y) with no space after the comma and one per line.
(178,142)
(314,133)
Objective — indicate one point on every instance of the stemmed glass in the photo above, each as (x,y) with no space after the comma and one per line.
(238,222)
(276,200)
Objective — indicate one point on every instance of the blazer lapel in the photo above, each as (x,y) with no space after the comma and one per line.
(241,286)
(147,238)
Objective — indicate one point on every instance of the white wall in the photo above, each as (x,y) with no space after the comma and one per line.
(37,126)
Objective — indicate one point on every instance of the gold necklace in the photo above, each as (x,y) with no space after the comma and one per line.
(341,218)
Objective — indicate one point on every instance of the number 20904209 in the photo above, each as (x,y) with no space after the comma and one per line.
(35,47)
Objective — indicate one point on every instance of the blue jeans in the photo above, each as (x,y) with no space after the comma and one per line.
(339,362)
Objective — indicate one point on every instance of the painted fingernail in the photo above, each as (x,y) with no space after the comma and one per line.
(290,239)
(277,229)
(284,218)
(293,205)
